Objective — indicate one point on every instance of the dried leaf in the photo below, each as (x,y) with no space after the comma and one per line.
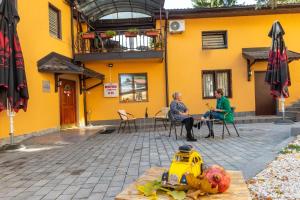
(195,195)
(193,181)
(177,195)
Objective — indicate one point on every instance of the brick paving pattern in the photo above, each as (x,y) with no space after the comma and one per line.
(101,166)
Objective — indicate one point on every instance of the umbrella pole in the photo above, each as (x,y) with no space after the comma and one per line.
(11,115)
(282,106)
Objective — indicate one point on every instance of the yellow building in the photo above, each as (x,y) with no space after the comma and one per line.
(212,48)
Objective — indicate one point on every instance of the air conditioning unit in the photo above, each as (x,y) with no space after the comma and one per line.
(176,26)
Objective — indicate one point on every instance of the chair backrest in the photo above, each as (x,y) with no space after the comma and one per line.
(170,116)
(123,114)
(232,109)
(164,111)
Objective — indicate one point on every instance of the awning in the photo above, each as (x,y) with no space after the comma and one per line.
(95,9)
(261,54)
(58,64)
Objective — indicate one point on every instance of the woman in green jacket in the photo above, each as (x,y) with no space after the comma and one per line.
(222,111)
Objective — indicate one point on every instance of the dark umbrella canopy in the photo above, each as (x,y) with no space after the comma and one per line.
(278,75)
(13,85)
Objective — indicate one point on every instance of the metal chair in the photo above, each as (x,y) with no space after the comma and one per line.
(162,115)
(174,123)
(126,119)
(224,123)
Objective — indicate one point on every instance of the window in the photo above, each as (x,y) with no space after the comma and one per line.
(54,22)
(214,40)
(212,80)
(133,87)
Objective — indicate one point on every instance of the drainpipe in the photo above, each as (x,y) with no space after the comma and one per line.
(72,27)
(84,99)
(166,58)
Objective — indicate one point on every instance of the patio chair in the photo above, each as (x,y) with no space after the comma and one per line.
(173,123)
(162,115)
(224,123)
(126,119)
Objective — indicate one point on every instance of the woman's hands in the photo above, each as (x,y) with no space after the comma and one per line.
(217,110)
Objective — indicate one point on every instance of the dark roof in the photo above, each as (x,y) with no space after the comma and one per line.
(100,8)
(229,11)
(262,54)
(57,63)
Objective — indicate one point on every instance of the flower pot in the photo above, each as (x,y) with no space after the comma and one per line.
(105,36)
(152,33)
(130,34)
(88,35)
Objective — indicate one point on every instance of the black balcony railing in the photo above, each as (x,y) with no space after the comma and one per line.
(119,41)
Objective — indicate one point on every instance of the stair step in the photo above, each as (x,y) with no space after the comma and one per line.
(293,107)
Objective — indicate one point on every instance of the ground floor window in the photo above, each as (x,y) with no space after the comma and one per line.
(212,80)
(133,87)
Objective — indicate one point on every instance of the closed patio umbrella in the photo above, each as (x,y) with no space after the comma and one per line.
(13,85)
(278,75)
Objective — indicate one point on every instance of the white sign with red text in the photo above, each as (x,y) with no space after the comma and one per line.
(111,90)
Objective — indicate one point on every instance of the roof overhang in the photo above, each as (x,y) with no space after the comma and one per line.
(248,10)
(95,9)
(58,64)
(261,54)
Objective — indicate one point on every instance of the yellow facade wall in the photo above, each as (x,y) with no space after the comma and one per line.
(106,108)
(36,42)
(187,59)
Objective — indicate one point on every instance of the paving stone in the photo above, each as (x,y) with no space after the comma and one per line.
(83,193)
(102,166)
(96,196)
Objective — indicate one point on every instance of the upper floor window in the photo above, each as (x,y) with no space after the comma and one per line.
(214,40)
(133,87)
(213,80)
(54,22)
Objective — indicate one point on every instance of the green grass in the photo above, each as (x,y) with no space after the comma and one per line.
(291,148)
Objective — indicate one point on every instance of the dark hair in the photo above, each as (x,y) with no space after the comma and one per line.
(220,91)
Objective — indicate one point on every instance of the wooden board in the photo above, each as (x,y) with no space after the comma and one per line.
(238,189)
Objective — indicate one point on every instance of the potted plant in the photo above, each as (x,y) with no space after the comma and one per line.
(158,45)
(88,35)
(108,34)
(132,32)
(152,33)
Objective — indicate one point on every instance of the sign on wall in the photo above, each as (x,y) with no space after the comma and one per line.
(111,90)
(46,86)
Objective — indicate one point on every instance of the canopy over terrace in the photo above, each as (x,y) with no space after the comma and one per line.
(261,54)
(96,9)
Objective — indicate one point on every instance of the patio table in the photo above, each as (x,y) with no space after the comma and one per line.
(238,189)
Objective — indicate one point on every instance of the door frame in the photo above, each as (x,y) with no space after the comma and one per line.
(75,79)
(276,100)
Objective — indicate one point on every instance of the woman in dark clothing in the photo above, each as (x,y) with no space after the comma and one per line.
(180,113)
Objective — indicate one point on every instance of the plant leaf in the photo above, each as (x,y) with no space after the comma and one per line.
(149,189)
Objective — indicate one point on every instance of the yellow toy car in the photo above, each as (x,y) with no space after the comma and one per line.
(186,160)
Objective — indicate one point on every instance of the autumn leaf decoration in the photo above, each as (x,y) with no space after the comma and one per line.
(150,190)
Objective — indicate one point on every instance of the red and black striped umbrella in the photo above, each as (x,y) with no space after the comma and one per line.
(13,84)
(278,75)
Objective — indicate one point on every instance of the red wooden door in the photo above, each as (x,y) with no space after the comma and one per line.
(265,103)
(67,102)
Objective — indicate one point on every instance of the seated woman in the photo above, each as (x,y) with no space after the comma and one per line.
(180,113)
(222,112)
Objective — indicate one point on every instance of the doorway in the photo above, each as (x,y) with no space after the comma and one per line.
(67,94)
(265,104)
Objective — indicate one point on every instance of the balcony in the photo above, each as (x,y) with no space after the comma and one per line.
(120,45)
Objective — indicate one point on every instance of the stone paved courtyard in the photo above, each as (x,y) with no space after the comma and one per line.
(100,166)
